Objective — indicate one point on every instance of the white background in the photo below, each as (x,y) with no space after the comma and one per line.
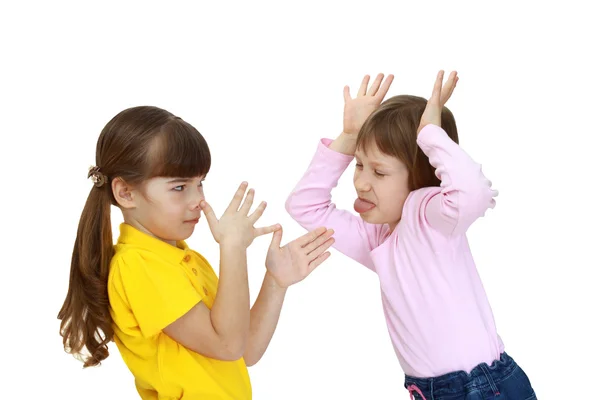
(263,83)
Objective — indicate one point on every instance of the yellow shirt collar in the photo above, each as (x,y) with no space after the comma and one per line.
(132,236)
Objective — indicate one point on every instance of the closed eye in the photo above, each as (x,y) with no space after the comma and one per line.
(379,174)
(358,165)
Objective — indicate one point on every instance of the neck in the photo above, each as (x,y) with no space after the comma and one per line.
(129,220)
(393,225)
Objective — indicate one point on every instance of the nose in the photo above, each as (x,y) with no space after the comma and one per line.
(197,197)
(361,183)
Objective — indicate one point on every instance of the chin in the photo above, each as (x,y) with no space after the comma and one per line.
(372,218)
(179,236)
(378,219)
(185,237)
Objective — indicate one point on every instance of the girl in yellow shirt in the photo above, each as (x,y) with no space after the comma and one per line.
(183,332)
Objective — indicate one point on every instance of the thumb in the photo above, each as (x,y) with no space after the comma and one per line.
(276,241)
(347,96)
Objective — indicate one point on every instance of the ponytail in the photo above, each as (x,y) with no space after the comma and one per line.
(85,314)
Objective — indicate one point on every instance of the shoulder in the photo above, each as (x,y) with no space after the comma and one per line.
(417,200)
(203,263)
(415,220)
(132,257)
(201,257)
(414,212)
(131,263)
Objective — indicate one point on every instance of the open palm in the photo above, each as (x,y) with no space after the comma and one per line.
(296,260)
(358,109)
(236,225)
(439,97)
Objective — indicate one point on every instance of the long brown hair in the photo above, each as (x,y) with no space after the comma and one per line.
(137,144)
(393,129)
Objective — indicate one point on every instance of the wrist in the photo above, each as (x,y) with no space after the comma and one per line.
(232,246)
(345,143)
(273,282)
(349,136)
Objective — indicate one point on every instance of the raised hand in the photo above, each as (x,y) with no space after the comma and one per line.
(439,97)
(357,110)
(236,227)
(296,260)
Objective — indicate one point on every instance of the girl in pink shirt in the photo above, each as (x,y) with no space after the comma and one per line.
(418,193)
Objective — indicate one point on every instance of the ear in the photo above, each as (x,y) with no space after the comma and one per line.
(124,193)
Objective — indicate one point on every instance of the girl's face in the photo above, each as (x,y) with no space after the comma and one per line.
(381,182)
(167,208)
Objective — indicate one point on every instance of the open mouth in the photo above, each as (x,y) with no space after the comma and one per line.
(362,206)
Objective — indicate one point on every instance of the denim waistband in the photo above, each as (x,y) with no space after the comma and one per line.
(482,375)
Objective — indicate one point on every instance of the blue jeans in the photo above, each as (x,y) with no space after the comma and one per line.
(503,380)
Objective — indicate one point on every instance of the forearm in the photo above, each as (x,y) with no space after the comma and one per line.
(230,314)
(310,203)
(263,319)
(465,192)
(452,164)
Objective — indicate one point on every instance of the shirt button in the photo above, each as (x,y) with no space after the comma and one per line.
(186,258)
(194,271)
(205,290)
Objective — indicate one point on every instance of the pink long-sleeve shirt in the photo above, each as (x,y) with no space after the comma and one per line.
(437,312)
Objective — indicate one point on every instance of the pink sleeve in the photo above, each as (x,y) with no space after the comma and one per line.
(465,194)
(310,205)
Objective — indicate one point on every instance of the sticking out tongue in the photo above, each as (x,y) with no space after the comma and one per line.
(361,206)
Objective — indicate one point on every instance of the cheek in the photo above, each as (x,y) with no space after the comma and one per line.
(176,206)
(394,196)
(167,205)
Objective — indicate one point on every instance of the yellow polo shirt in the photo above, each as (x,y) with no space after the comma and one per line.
(151,284)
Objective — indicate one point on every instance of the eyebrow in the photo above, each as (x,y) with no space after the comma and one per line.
(378,164)
(181,180)
(178,180)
